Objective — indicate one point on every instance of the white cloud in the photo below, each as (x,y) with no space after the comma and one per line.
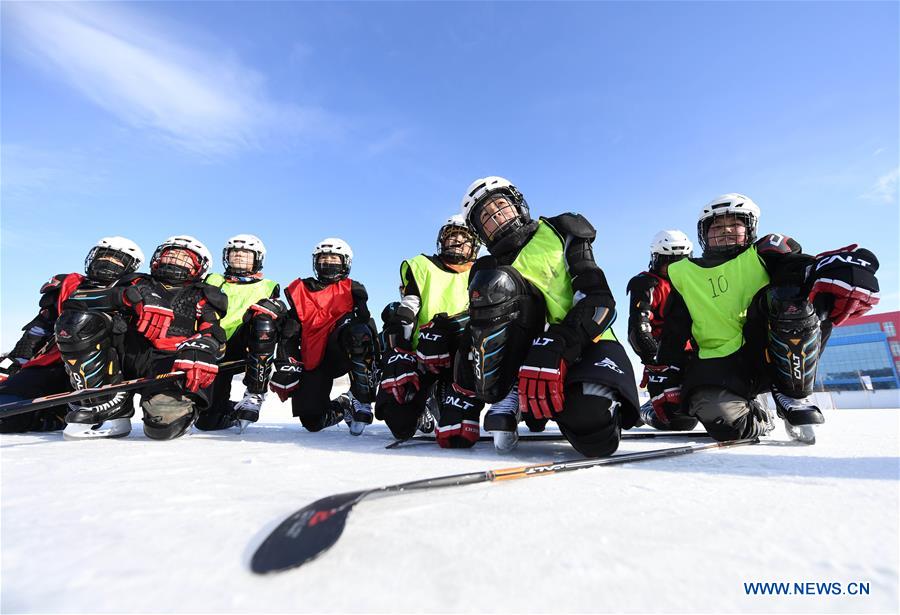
(202,100)
(885,188)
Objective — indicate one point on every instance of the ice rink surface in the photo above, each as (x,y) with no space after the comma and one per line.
(134,525)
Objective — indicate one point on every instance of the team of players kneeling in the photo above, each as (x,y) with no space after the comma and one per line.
(525,329)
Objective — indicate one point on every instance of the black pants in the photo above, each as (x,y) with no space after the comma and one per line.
(29,383)
(219,413)
(311,401)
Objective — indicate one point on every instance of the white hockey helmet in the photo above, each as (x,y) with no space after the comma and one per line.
(733,204)
(668,247)
(111,258)
(326,272)
(457,252)
(181,271)
(478,193)
(253,244)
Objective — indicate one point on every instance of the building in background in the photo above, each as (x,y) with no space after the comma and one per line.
(862,354)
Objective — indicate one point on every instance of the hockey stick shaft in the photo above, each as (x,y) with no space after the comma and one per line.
(315,528)
(58,399)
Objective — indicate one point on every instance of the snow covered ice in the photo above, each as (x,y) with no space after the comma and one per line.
(134,525)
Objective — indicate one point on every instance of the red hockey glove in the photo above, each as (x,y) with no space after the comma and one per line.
(399,375)
(459,435)
(664,386)
(542,377)
(197,359)
(154,315)
(848,276)
(286,378)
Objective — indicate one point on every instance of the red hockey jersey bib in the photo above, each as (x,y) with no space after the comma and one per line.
(318,312)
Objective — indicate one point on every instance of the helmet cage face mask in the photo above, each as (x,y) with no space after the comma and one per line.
(104,264)
(452,249)
(328,273)
(722,245)
(230,269)
(502,222)
(182,266)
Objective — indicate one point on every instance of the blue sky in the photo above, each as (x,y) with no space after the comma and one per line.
(297,121)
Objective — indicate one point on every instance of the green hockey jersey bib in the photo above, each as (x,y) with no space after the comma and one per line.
(439,290)
(240,298)
(717,299)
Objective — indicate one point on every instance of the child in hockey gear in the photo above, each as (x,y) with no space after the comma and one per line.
(750,308)
(251,331)
(34,367)
(539,342)
(421,336)
(649,291)
(326,333)
(168,321)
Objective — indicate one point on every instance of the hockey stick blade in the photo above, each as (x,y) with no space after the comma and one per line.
(306,534)
(315,528)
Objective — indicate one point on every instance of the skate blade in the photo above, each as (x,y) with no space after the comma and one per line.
(242,425)
(115,428)
(357,427)
(801,433)
(505,441)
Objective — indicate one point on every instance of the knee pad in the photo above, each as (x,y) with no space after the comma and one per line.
(505,316)
(727,416)
(590,421)
(360,343)
(261,353)
(794,341)
(167,416)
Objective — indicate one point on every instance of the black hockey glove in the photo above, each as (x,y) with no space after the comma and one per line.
(664,386)
(197,358)
(400,375)
(847,277)
(435,340)
(286,378)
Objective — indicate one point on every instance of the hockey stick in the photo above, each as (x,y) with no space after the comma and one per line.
(58,399)
(313,529)
(556,437)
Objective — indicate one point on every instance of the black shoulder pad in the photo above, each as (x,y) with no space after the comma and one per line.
(641,284)
(358,291)
(216,297)
(53,284)
(573,224)
(276,292)
(773,243)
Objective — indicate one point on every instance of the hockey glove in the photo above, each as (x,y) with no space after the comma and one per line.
(542,377)
(197,359)
(286,378)
(9,366)
(664,386)
(848,276)
(400,375)
(154,316)
(433,348)
(273,308)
